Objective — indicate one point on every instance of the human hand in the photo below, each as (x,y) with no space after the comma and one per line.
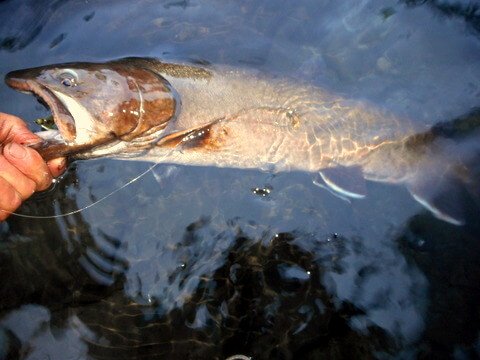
(22,169)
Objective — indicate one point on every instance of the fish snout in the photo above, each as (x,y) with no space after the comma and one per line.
(17,80)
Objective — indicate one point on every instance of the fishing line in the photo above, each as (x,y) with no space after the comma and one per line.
(131,181)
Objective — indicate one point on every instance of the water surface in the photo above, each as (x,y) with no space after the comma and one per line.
(191,263)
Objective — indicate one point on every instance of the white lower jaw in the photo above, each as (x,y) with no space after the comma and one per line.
(84,123)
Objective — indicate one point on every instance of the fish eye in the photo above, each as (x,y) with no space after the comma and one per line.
(68,79)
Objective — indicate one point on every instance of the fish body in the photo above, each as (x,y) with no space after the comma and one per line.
(226,117)
(247,120)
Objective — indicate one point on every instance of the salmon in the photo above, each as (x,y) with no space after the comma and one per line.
(205,115)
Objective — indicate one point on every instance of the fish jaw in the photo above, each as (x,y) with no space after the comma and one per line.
(62,117)
(56,143)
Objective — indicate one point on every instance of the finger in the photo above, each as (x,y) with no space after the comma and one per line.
(10,199)
(30,163)
(21,183)
(13,129)
(57,166)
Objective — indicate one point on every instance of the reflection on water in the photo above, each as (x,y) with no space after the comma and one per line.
(17,35)
(207,263)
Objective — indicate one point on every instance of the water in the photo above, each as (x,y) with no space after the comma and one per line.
(194,262)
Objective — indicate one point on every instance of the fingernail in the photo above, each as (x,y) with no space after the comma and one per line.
(17,151)
(62,164)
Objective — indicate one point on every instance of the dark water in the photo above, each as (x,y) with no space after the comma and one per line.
(190,263)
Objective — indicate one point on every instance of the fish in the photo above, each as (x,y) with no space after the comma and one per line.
(201,114)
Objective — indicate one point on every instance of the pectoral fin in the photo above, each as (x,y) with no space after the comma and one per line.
(345,181)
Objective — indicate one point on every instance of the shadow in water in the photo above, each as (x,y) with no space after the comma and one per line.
(265,301)
(453,272)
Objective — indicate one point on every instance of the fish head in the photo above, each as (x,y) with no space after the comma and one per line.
(97,104)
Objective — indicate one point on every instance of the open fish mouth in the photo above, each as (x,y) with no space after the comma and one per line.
(61,115)
(68,139)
